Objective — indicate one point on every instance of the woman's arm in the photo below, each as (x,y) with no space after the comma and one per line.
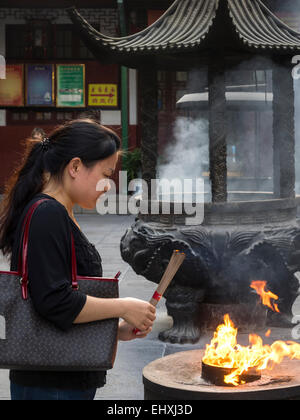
(135,312)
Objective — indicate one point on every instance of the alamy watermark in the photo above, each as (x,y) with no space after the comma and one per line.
(178,197)
(296,68)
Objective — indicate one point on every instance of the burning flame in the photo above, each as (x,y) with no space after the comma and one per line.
(225,352)
(260,288)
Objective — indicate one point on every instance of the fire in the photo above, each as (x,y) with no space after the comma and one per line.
(260,287)
(225,352)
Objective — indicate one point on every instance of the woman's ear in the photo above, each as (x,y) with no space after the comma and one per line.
(74,166)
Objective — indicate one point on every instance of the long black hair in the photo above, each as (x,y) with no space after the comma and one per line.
(84,138)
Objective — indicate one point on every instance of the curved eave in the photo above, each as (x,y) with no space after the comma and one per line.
(182,28)
(188,27)
(260,30)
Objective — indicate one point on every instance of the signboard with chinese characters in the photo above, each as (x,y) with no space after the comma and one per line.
(12,88)
(104,95)
(40,85)
(70,85)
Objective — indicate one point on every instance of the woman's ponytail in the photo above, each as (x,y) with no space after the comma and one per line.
(26,181)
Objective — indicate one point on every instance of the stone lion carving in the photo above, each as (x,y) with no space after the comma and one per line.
(219,267)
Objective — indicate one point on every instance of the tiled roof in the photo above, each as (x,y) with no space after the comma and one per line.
(259,28)
(191,25)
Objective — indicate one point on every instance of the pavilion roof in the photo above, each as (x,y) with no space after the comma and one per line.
(190,26)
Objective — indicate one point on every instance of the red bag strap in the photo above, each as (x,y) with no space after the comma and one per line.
(23,267)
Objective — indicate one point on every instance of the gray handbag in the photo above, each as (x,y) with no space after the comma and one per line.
(29,342)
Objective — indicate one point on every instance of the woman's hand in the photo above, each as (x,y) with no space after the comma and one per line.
(138,313)
(126,332)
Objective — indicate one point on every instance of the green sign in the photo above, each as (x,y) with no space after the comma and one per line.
(70,85)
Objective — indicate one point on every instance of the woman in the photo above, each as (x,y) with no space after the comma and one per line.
(65,168)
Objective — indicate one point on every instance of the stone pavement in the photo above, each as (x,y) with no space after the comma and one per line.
(124,382)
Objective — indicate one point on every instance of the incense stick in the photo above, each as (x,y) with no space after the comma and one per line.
(171,270)
(175,262)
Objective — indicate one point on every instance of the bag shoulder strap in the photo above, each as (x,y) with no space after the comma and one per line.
(23,266)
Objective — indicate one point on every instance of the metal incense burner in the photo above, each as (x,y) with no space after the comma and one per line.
(180,377)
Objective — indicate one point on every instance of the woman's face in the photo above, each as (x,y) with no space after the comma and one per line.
(88,184)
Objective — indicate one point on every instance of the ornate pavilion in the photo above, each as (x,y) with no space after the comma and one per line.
(218,34)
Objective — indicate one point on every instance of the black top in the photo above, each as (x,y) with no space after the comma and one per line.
(49,274)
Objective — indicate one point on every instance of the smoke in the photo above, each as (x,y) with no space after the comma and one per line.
(187,156)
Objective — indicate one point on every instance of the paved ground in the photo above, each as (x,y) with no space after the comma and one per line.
(125,380)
